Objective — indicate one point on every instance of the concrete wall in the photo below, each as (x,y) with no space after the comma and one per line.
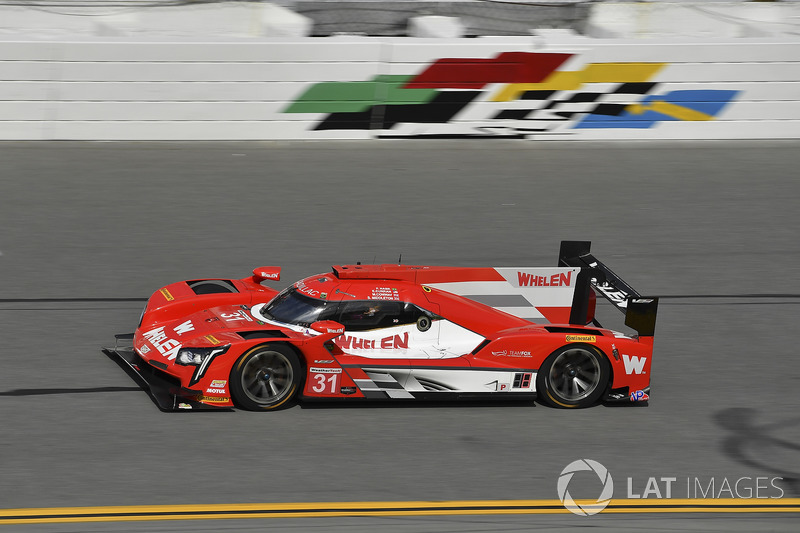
(698,20)
(550,86)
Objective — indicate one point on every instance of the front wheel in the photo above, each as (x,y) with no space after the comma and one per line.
(266,378)
(573,376)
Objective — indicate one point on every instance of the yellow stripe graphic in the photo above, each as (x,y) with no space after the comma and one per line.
(591,73)
(340,509)
(671,110)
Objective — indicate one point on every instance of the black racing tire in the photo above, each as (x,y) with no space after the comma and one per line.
(574,376)
(266,378)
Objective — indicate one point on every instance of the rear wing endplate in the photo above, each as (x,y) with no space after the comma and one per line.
(640,311)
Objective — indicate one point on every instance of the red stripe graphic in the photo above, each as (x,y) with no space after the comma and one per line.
(472,73)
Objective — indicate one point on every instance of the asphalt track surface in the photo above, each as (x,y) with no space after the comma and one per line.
(714,225)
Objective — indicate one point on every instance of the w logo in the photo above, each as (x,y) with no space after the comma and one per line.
(186,327)
(633,364)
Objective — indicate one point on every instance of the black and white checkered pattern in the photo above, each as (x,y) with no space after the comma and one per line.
(540,111)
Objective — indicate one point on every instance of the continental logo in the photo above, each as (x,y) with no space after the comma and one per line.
(213,399)
(167,295)
(213,340)
(581,338)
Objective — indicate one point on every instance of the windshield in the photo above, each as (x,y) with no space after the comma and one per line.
(292,307)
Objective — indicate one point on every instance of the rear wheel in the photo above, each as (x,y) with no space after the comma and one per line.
(266,378)
(573,376)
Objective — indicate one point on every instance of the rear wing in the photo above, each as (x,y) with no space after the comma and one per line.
(640,312)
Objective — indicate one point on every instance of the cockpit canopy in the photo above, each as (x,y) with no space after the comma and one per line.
(292,307)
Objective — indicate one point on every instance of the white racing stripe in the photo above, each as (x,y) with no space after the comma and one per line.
(256,312)
(450,380)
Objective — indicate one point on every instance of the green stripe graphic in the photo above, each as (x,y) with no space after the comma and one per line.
(356,96)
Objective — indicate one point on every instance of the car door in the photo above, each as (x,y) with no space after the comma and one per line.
(383,338)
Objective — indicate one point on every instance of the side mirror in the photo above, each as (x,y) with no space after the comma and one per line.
(263,273)
(328,328)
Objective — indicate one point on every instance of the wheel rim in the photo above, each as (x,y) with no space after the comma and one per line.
(575,374)
(267,377)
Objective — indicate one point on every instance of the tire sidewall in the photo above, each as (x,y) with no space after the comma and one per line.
(543,387)
(240,397)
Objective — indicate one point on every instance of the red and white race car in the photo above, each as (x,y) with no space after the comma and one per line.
(394,332)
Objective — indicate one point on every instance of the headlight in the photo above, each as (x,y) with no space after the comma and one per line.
(193,356)
(200,358)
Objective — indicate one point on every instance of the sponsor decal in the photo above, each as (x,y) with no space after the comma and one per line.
(186,327)
(502,386)
(212,339)
(166,346)
(216,391)
(219,383)
(184,406)
(169,297)
(144,349)
(563,279)
(639,396)
(392,342)
(617,297)
(213,399)
(384,293)
(315,370)
(348,390)
(323,361)
(302,287)
(512,353)
(581,338)
(634,364)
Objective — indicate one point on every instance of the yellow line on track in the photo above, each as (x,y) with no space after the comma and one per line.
(340,509)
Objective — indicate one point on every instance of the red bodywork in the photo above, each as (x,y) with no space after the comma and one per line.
(481,337)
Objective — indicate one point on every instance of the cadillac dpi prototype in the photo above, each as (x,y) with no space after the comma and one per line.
(395,332)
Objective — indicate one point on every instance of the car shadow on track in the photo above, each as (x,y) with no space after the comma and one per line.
(44,392)
(346,403)
(755,444)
